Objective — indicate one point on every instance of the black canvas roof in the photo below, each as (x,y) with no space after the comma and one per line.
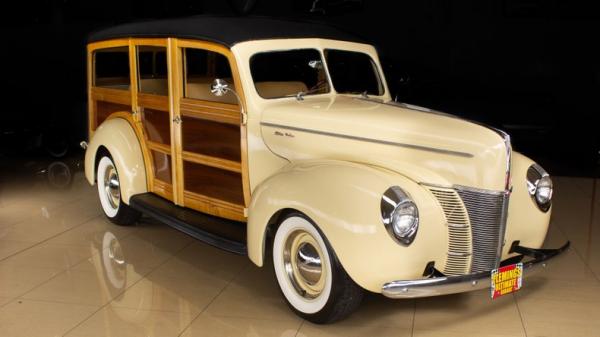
(224,30)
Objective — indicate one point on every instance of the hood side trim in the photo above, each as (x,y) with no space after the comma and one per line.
(370,140)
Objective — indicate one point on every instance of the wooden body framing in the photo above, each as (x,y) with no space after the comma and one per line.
(177,107)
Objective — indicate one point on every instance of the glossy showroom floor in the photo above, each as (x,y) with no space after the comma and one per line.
(65,270)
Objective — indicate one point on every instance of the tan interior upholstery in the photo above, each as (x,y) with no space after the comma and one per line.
(120,83)
(156,86)
(279,89)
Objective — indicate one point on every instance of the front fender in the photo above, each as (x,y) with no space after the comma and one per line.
(343,199)
(119,138)
(526,222)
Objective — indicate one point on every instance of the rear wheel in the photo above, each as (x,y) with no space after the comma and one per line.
(109,191)
(312,280)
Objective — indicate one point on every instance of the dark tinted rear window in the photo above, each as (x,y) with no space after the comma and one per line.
(111,68)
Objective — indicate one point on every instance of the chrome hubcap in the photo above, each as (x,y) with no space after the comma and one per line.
(302,261)
(111,187)
(309,263)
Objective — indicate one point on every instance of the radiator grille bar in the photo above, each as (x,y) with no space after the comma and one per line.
(459,231)
(487,214)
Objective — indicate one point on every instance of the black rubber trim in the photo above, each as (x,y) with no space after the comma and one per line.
(218,232)
(538,255)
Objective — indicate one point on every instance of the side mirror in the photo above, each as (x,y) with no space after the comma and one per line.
(219,87)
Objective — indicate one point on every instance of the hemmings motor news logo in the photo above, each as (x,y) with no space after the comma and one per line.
(507,279)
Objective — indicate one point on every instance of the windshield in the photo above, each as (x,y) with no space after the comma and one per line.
(289,73)
(353,72)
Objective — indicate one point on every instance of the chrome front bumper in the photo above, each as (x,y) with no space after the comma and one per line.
(444,285)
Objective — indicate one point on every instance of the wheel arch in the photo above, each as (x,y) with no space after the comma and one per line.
(343,199)
(117,138)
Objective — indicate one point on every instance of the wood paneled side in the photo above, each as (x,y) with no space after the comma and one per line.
(213,182)
(215,207)
(104,109)
(210,138)
(212,111)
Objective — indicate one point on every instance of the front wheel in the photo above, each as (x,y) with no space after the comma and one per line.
(312,280)
(109,191)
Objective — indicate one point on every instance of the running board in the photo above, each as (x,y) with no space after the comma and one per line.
(222,233)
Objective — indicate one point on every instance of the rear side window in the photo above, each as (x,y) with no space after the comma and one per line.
(111,68)
(152,65)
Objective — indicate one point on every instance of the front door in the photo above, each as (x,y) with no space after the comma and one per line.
(210,135)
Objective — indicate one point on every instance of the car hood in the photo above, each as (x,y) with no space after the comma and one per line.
(427,146)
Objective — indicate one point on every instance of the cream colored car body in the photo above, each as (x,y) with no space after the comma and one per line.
(116,135)
(332,157)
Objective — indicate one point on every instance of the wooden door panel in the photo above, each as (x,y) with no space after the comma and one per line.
(213,182)
(157,126)
(162,166)
(211,138)
(104,109)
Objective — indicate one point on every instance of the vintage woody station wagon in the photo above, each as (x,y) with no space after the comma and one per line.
(280,140)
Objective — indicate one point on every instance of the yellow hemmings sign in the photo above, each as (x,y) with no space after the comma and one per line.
(507,279)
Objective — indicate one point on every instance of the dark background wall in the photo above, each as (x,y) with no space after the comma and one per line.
(531,67)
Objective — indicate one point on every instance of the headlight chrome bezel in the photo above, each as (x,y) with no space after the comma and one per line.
(536,175)
(393,200)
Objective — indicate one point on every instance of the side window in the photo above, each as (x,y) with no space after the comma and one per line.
(152,69)
(201,67)
(111,68)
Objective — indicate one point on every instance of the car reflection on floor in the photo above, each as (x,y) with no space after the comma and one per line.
(67,269)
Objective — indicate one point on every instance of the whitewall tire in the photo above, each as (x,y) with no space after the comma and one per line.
(109,193)
(310,277)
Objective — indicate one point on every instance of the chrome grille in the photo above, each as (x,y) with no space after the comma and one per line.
(487,214)
(459,231)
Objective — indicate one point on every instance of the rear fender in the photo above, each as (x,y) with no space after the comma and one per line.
(118,137)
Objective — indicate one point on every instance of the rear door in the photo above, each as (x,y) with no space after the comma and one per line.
(152,107)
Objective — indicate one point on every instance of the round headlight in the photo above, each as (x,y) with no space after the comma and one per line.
(540,187)
(543,192)
(400,215)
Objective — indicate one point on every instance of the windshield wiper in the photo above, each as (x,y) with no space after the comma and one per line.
(300,95)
